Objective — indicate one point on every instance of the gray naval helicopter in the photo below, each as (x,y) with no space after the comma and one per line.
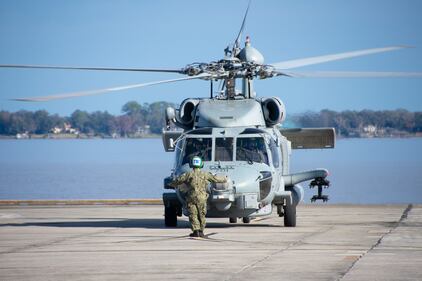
(238,134)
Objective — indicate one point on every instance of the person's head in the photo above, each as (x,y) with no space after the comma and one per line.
(197,162)
(252,145)
(260,146)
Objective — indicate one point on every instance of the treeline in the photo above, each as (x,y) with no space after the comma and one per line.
(364,123)
(135,119)
(140,120)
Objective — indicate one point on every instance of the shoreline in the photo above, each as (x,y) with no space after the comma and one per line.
(145,201)
(154,136)
(73,137)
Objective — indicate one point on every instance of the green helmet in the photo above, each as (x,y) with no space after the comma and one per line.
(197,162)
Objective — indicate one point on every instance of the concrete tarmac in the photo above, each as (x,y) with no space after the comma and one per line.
(331,242)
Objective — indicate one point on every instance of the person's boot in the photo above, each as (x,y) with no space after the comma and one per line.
(201,234)
(195,233)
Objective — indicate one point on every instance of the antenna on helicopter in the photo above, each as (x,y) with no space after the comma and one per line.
(236,46)
(232,58)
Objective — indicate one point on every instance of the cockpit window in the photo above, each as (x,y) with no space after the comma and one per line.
(197,147)
(251,150)
(223,149)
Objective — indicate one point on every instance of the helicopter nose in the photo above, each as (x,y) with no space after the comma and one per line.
(245,179)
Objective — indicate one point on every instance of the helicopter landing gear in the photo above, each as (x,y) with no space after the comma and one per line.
(170,216)
(233,220)
(172,209)
(280,211)
(246,219)
(289,214)
(320,183)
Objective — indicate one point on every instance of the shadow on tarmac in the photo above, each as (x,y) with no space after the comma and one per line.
(122,223)
(129,223)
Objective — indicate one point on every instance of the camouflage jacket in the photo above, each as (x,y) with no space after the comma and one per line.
(196,182)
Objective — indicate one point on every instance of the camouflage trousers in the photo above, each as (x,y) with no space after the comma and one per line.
(197,212)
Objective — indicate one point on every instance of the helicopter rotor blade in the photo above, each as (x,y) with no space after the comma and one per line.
(348,74)
(90,68)
(332,57)
(107,90)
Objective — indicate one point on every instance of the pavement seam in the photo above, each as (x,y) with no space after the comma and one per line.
(402,218)
(49,243)
(291,245)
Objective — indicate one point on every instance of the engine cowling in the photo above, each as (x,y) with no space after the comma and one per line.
(186,115)
(274,111)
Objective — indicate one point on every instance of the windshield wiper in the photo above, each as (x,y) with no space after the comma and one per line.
(248,158)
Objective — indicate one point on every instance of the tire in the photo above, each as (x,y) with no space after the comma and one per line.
(246,219)
(170,216)
(233,220)
(289,215)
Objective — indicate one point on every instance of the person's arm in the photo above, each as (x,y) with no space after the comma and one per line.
(216,179)
(179,180)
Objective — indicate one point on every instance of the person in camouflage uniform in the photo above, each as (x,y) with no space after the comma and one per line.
(196,182)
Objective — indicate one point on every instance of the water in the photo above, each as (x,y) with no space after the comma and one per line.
(368,170)
(82,169)
(361,170)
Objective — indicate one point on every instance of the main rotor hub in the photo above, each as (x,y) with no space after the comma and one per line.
(250,54)
(248,63)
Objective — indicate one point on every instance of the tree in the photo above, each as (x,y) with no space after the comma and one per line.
(102,122)
(155,117)
(125,124)
(418,122)
(131,108)
(80,120)
(4,122)
(43,122)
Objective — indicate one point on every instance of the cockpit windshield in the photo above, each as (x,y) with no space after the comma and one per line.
(197,147)
(223,149)
(251,149)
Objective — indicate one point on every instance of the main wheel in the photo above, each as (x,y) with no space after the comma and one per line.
(290,214)
(233,220)
(170,216)
(246,219)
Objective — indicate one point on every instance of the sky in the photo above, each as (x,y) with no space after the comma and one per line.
(172,34)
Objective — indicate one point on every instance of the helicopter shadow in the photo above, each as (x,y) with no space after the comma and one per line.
(148,223)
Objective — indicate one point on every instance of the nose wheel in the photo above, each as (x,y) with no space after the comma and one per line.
(246,219)
(320,183)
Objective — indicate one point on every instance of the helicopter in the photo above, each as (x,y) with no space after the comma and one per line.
(237,133)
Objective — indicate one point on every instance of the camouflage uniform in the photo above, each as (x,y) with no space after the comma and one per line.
(196,195)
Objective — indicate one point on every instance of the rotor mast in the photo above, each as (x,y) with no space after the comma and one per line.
(243,63)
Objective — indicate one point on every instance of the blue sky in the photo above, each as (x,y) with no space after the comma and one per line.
(174,33)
